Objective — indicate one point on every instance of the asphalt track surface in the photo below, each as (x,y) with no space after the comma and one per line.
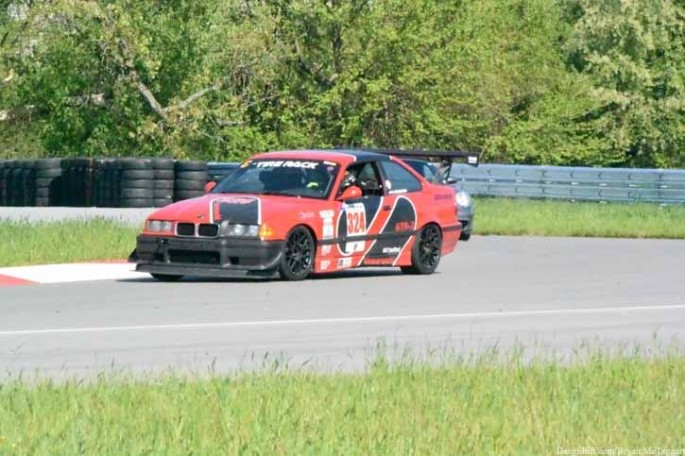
(549,295)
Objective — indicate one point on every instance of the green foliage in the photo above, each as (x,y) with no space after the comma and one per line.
(527,81)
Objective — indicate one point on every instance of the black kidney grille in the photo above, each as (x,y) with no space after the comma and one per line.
(185,229)
(208,230)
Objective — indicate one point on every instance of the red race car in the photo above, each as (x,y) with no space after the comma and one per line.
(301,212)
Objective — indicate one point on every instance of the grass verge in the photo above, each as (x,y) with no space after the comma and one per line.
(560,218)
(475,407)
(25,243)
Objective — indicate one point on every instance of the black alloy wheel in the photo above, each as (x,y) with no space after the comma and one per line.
(427,250)
(298,255)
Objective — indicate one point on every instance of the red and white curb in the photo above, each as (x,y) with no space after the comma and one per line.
(66,273)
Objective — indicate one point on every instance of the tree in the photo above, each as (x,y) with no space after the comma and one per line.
(633,52)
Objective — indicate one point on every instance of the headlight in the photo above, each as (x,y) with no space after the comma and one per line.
(237,229)
(160,226)
(463,199)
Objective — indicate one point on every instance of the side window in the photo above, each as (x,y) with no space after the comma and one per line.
(363,175)
(399,180)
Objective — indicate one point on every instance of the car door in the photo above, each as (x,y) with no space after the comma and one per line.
(359,219)
(400,215)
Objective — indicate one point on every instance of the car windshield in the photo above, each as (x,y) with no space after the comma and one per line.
(287,177)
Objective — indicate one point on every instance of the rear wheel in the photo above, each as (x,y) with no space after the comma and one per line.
(166,277)
(427,250)
(297,261)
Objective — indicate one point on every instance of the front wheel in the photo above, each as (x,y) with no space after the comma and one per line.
(166,277)
(297,261)
(427,250)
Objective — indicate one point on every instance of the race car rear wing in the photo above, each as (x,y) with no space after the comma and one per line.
(445,157)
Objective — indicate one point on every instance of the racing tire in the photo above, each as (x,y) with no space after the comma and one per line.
(135,174)
(48,173)
(185,184)
(163,163)
(162,202)
(297,261)
(187,194)
(166,277)
(165,174)
(426,252)
(135,163)
(464,236)
(127,193)
(163,184)
(190,166)
(136,202)
(161,193)
(138,183)
(49,163)
(192,175)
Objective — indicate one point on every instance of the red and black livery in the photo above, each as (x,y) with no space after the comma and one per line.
(300,212)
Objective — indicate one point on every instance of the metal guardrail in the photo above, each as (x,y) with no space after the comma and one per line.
(557,182)
(573,183)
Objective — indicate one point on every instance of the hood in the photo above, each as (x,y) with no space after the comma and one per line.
(237,208)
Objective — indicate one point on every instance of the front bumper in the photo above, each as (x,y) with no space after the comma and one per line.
(216,257)
(466,215)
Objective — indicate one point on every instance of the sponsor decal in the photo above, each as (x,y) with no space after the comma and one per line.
(443,196)
(355,215)
(403,215)
(326,250)
(396,192)
(404,225)
(286,164)
(235,200)
(378,261)
(236,209)
(325,264)
(306,215)
(344,263)
(327,227)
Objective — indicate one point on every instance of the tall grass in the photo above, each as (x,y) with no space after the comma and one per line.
(560,218)
(470,408)
(25,243)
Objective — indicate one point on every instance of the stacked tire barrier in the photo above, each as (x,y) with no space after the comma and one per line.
(77,182)
(49,183)
(18,183)
(2,183)
(105,182)
(218,171)
(190,178)
(137,183)
(164,178)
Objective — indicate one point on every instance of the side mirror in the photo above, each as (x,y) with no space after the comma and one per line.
(451,181)
(209,186)
(350,193)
